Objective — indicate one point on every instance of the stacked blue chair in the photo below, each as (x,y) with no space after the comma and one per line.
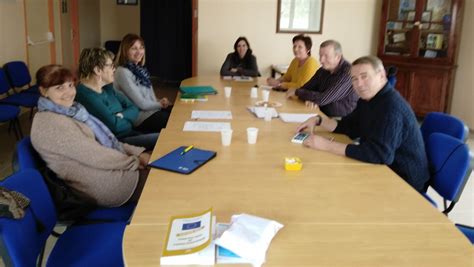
(112,46)
(16,99)
(468,231)
(23,240)
(392,75)
(437,122)
(26,157)
(450,167)
(10,114)
(20,77)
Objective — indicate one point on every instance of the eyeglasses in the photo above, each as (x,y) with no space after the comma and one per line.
(112,65)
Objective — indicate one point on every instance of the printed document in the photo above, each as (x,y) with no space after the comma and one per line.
(296,117)
(203,126)
(212,114)
(189,240)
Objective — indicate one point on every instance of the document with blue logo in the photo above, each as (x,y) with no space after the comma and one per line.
(189,240)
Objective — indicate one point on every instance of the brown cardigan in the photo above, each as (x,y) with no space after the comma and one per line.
(71,151)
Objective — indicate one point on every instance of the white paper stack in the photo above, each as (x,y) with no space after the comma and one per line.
(203,126)
(296,117)
(212,114)
(223,255)
(249,237)
(260,111)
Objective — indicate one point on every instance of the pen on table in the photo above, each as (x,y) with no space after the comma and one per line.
(186,150)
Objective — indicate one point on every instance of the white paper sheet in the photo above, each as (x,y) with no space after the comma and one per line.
(203,126)
(296,117)
(260,111)
(212,114)
(243,79)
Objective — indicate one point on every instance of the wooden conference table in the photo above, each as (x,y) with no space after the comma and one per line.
(336,211)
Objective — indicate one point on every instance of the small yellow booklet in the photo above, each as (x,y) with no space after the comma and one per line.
(189,240)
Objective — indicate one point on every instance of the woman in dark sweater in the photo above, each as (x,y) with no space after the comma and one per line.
(241,62)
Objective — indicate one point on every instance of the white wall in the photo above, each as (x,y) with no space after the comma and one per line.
(89,19)
(352,22)
(118,20)
(12,31)
(463,96)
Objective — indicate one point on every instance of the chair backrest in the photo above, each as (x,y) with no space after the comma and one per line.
(392,75)
(113,46)
(18,73)
(22,240)
(4,84)
(468,231)
(437,122)
(450,163)
(26,156)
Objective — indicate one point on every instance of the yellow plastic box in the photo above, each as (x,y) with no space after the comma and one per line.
(293,164)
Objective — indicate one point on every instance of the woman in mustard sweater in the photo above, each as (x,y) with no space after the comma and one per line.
(301,68)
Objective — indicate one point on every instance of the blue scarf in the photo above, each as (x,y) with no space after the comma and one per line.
(78,112)
(142,75)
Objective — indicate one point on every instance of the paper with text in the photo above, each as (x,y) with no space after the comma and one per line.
(203,126)
(212,114)
(296,117)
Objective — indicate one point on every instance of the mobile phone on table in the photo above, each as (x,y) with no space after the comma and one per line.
(299,138)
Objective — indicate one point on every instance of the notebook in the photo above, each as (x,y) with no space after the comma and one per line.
(185,163)
(198,90)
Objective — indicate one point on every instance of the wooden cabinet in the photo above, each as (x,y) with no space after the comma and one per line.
(421,38)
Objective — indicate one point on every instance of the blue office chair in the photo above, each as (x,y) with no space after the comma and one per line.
(392,75)
(23,240)
(112,46)
(450,167)
(16,99)
(9,113)
(26,157)
(468,231)
(437,122)
(20,77)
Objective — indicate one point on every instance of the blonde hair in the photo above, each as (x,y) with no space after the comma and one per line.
(91,58)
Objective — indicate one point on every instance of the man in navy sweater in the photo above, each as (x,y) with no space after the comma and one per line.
(384,122)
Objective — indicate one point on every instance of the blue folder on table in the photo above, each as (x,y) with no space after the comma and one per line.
(186,163)
(198,90)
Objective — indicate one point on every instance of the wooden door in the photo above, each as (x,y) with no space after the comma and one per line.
(39,35)
(69,33)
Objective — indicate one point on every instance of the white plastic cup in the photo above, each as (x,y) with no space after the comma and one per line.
(252,134)
(227,91)
(226,137)
(268,115)
(254,92)
(265,95)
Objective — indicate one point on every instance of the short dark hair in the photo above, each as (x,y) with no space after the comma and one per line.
(335,45)
(127,42)
(306,40)
(374,61)
(51,75)
(91,58)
